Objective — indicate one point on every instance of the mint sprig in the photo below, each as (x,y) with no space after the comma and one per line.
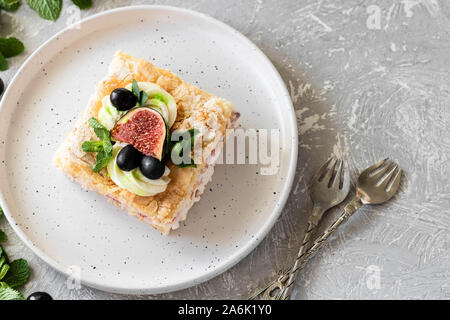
(3,254)
(143,97)
(92,146)
(14,274)
(135,89)
(83,4)
(102,147)
(7,293)
(3,236)
(46,9)
(9,47)
(9,5)
(18,273)
(4,270)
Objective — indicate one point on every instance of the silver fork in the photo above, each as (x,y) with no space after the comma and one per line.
(329,187)
(377,184)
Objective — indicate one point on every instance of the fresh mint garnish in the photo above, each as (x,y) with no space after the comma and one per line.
(3,254)
(3,270)
(9,47)
(95,124)
(3,236)
(102,161)
(102,133)
(9,5)
(92,146)
(18,273)
(103,147)
(14,274)
(47,9)
(83,4)
(7,293)
(143,97)
(167,145)
(135,89)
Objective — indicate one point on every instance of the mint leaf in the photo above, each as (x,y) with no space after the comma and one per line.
(102,161)
(92,146)
(3,63)
(1,214)
(3,254)
(7,293)
(105,136)
(47,9)
(2,261)
(18,273)
(3,236)
(3,270)
(135,89)
(102,134)
(11,47)
(103,147)
(95,124)
(107,145)
(82,4)
(143,98)
(167,143)
(9,5)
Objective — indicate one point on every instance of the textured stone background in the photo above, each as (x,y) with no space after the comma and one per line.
(365,86)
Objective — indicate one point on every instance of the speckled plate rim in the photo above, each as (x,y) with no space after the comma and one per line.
(245,250)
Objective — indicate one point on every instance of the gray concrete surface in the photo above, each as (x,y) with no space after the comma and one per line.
(368,79)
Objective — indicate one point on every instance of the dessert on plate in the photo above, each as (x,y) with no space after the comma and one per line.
(123,144)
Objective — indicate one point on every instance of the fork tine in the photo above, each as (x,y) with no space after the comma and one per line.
(336,178)
(322,170)
(392,188)
(380,172)
(344,183)
(330,172)
(384,181)
(374,167)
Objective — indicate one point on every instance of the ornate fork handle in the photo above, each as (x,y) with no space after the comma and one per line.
(292,274)
(301,260)
(280,283)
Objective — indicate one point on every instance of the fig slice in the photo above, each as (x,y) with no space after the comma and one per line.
(144,129)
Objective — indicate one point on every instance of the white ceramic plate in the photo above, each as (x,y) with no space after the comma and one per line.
(67,226)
